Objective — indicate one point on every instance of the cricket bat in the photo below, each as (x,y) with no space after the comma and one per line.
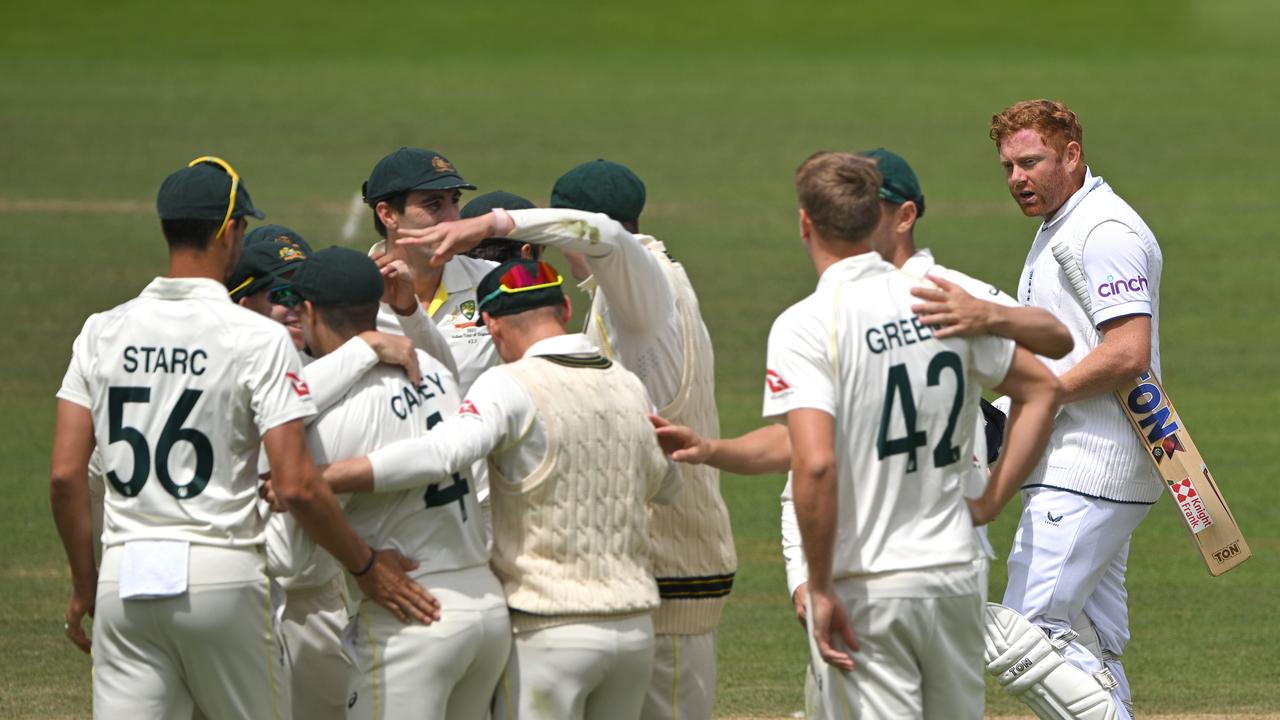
(1161,431)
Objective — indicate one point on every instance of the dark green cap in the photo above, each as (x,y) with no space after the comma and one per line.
(900,183)
(262,264)
(339,276)
(601,186)
(201,192)
(487,202)
(411,169)
(489,299)
(278,234)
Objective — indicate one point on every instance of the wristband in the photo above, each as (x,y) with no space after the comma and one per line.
(373,556)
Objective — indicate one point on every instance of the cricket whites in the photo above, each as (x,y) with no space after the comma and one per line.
(1204,511)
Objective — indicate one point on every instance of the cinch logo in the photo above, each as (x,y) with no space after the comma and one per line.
(1229,551)
(1147,400)
(1115,287)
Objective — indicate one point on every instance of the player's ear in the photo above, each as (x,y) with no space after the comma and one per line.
(906,215)
(1072,156)
(387,215)
(806,225)
(566,310)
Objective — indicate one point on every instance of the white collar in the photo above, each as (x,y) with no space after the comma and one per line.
(856,267)
(185,288)
(568,344)
(1091,183)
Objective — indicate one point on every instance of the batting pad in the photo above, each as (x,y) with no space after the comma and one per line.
(1030,667)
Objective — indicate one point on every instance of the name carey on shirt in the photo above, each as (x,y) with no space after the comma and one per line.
(413,395)
(896,334)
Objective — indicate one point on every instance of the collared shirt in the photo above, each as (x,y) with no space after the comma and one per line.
(182,384)
(498,419)
(905,406)
(454,311)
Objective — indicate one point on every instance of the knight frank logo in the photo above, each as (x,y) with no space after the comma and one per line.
(1191,505)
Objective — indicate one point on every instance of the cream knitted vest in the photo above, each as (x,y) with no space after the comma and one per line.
(693,554)
(570,539)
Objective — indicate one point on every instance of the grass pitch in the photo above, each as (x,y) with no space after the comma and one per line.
(713,104)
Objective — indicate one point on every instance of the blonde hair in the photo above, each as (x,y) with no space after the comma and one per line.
(1054,121)
(840,192)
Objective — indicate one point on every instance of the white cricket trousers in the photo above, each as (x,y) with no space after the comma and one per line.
(443,671)
(311,628)
(580,671)
(683,684)
(919,657)
(1068,559)
(214,647)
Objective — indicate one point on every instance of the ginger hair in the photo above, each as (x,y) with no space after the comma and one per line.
(1054,121)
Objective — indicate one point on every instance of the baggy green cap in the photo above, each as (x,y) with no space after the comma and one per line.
(262,264)
(339,276)
(490,299)
(900,183)
(278,234)
(490,201)
(201,192)
(411,169)
(601,186)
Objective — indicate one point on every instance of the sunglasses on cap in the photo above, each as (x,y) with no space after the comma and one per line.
(521,279)
(235,184)
(285,296)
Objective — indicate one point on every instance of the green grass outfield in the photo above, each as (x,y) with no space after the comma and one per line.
(714,104)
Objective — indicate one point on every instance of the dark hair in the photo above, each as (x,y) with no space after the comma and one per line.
(500,250)
(841,194)
(349,320)
(397,203)
(191,234)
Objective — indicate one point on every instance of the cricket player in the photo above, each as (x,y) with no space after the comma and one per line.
(881,418)
(447,669)
(1090,491)
(644,314)
(178,387)
(573,463)
(412,189)
(500,250)
(315,592)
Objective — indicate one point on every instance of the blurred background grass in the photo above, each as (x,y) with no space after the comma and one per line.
(713,104)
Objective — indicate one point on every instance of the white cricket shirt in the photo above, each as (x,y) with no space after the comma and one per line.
(434,520)
(182,384)
(1093,450)
(905,406)
(454,311)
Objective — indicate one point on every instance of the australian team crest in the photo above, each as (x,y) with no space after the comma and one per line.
(291,252)
(441,165)
(468,309)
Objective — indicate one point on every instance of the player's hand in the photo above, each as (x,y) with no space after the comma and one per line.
(387,584)
(397,281)
(267,491)
(953,310)
(829,621)
(801,600)
(77,607)
(447,239)
(981,510)
(395,350)
(680,442)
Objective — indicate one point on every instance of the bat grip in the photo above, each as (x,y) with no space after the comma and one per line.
(1075,275)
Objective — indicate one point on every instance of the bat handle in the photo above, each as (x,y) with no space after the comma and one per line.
(1075,275)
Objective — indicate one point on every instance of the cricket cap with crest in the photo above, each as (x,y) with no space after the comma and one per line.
(410,169)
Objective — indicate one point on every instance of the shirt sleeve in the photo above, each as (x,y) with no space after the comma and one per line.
(1116,267)
(419,328)
(641,299)
(495,413)
(328,378)
(799,373)
(992,356)
(75,382)
(792,548)
(273,374)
